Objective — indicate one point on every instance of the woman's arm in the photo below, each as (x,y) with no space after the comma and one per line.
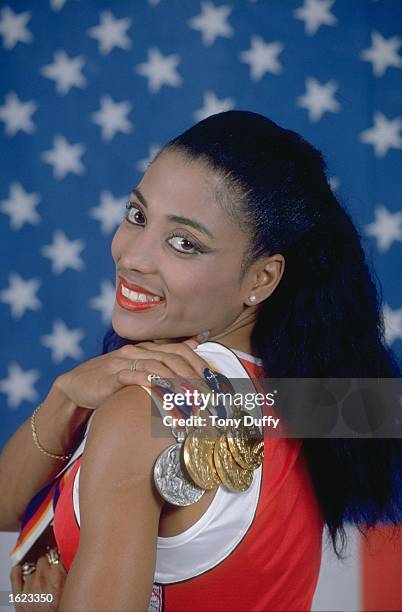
(73,396)
(119,508)
(23,468)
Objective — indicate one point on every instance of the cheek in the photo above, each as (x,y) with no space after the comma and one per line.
(212,284)
(115,247)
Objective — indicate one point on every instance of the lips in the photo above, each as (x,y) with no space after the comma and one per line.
(137,288)
(133,305)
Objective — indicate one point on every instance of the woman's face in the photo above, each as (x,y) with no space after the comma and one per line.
(178,244)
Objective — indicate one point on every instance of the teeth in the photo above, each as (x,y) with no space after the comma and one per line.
(134,296)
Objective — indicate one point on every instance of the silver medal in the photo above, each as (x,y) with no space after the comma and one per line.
(171,481)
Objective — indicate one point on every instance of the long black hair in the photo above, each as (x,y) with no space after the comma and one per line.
(324,318)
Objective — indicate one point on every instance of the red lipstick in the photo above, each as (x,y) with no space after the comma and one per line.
(134,305)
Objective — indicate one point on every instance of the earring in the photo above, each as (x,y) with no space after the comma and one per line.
(252,298)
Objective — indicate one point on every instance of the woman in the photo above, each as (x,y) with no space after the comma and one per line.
(233,230)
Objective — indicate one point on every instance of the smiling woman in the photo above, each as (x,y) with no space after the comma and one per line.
(233,234)
(174,244)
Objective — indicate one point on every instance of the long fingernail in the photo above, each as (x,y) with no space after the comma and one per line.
(210,377)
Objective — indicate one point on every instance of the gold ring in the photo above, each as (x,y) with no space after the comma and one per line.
(133,365)
(27,569)
(53,556)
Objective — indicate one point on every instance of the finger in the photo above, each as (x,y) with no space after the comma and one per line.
(191,342)
(42,575)
(17,584)
(197,339)
(128,377)
(53,574)
(154,366)
(150,344)
(59,572)
(50,577)
(42,564)
(179,364)
(168,365)
(175,362)
(168,354)
(187,353)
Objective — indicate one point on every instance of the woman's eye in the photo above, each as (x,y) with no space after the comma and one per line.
(182,245)
(134,214)
(179,243)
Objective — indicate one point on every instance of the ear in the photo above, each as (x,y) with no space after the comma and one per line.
(263,278)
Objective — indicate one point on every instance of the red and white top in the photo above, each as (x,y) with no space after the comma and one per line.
(255,550)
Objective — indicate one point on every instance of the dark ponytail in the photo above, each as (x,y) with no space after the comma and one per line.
(324,318)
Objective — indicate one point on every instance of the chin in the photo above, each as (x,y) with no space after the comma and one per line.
(122,327)
(125,327)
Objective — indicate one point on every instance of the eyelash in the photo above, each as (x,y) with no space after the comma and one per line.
(177,234)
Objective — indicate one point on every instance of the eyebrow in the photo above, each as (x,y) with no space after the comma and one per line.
(178,219)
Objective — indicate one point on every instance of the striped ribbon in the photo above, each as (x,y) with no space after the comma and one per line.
(40,510)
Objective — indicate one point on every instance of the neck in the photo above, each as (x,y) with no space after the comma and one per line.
(238,334)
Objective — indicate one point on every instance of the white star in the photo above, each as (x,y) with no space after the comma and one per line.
(262,57)
(64,253)
(142,164)
(13,27)
(65,71)
(315,13)
(212,22)
(20,206)
(386,228)
(383,135)
(64,157)
(63,342)
(392,324)
(20,295)
(104,302)
(57,5)
(109,212)
(17,115)
(212,106)
(160,70)
(153,2)
(111,32)
(112,117)
(383,53)
(18,386)
(319,99)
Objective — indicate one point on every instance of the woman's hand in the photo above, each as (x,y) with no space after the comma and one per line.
(91,383)
(46,579)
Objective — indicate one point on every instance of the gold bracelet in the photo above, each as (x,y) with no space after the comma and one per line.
(35,437)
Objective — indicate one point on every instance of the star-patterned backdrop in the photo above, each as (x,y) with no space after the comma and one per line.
(89,92)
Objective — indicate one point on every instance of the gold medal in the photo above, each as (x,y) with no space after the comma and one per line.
(242,440)
(198,453)
(234,477)
(258,451)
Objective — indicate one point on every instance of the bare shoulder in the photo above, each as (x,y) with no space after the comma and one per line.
(129,411)
(124,440)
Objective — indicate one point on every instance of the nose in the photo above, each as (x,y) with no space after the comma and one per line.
(139,252)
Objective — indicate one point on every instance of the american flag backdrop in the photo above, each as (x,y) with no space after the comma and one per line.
(91,89)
